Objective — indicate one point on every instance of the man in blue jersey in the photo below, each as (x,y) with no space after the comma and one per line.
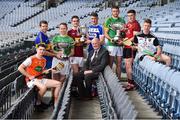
(94,31)
(42,38)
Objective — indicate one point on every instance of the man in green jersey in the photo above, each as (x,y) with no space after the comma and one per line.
(115,49)
(65,48)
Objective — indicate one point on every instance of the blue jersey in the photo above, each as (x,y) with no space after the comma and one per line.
(43,38)
(94,31)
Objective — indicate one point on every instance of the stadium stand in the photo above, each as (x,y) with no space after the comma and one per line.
(157,83)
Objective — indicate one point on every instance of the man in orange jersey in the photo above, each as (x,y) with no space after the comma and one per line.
(34,66)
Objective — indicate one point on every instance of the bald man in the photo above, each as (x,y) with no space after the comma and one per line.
(97,60)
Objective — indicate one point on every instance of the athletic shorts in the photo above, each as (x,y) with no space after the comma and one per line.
(65,70)
(77,60)
(128,53)
(30,84)
(43,81)
(115,50)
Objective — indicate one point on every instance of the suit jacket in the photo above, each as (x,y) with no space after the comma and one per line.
(99,63)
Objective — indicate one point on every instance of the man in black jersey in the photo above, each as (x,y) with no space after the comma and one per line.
(148,45)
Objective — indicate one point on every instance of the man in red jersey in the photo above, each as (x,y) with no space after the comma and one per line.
(133,27)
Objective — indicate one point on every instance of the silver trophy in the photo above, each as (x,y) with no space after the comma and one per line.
(60,47)
(118,27)
(83,32)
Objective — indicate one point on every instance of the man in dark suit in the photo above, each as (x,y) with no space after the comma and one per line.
(97,60)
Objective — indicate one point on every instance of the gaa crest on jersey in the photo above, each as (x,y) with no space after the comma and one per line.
(38,68)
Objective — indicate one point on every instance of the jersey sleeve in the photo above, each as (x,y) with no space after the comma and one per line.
(135,39)
(137,27)
(123,21)
(37,40)
(27,62)
(71,41)
(156,42)
(54,40)
(106,23)
(101,32)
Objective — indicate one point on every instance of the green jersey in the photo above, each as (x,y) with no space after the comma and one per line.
(65,40)
(112,32)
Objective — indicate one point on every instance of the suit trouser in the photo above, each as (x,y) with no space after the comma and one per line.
(85,90)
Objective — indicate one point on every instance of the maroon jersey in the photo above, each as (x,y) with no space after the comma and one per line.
(78,49)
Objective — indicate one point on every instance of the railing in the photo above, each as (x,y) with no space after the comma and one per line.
(23,107)
(6,72)
(8,79)
(10,88)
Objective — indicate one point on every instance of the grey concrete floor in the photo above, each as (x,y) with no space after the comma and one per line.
(47,113)
(85,109)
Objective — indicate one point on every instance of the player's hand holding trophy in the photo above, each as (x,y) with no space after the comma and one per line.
(61,47)
(120,34)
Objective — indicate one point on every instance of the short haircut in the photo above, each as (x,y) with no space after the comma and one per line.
(63,23)
(75,16)
(132,11)
(41,45)
(94,14)
(115,7)
(148,21)
(43,22)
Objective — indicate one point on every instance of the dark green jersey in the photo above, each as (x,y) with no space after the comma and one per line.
(64,39)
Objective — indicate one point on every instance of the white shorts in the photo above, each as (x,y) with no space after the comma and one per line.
(43,81)
(77,60)
(115,50)
(66,69)
(30,84)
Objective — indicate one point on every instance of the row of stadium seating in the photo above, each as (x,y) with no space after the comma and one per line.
(115,103)
(174,52)
(159,84)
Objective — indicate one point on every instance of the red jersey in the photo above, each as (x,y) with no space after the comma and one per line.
(78,48)
(132,26)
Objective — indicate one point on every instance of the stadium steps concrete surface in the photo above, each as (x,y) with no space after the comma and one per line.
(145,111)
(47,113)
(85,109)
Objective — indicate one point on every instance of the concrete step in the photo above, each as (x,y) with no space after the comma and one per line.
(145,111)
(85,109)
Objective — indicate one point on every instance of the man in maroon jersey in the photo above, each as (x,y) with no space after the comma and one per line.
(77,60)
(133,27)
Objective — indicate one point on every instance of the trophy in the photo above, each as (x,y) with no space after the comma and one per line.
(118,27)
(83,32)
(61,47)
